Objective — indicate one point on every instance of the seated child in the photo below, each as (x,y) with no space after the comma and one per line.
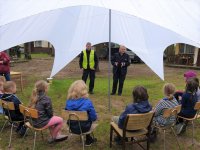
(9,89)
(168,101)
(188,102)
(2,81)
(77,100)
(187,75)
(140,105)
(42,103)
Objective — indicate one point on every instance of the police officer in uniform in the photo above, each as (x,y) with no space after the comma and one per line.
(120,62)
(88,62)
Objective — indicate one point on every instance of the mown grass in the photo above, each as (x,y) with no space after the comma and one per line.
(58,92)
(36,55)
(40,55)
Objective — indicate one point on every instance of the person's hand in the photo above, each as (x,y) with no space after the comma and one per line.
(123,64)
(1,62)
(116,63)
(179,98)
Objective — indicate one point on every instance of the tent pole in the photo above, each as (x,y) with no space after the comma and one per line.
(109,64)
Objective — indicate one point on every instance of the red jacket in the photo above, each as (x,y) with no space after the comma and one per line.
(5,67)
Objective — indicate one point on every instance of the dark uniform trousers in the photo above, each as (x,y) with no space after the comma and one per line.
(91,74)
(118,76)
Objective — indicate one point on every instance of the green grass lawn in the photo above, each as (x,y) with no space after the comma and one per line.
(58,93)
(36,55)
(40,55)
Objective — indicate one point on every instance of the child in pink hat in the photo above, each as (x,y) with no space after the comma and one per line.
(189,74)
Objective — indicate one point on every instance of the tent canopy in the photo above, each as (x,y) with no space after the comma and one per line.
(146,27)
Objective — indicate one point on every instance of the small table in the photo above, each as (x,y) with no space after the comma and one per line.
(13,73)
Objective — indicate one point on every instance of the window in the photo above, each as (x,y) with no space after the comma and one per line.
(38,44)
(186,49)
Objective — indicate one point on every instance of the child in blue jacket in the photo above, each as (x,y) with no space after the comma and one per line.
(9,88)
(140,105)
(189,99)
(188,102)
(77,100)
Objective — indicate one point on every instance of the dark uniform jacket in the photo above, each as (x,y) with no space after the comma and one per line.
(124,58)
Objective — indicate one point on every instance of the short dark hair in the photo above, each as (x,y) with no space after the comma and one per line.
(140,94)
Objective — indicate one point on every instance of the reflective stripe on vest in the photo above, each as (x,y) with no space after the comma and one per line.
(91,59)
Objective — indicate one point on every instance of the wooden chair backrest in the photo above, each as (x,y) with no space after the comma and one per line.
(170,112)
(138,121)
(7,105)
(28,112)
(75,115)
(197,106)
(178,108)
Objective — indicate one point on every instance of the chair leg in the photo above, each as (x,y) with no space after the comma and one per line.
(175,137)
(10,135)
(92,135)
(42,135)
(25,133)
(4,126)
(111,136)
(34,140)
(124,143)
(192,132)
(82,138)
(148,143)
(164,139)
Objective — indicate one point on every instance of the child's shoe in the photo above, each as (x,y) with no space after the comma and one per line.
(90,141)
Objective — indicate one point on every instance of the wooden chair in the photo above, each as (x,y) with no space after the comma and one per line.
(197,108)
(135,126)
(8,106)
(29,115)
(78,116)
(168,113)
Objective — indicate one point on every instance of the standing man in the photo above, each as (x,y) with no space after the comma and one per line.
(5,65)
(120,62)
(88,63)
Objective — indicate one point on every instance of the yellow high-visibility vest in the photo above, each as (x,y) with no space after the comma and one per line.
(91,59)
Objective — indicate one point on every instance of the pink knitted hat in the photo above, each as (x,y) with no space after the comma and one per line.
(189,74)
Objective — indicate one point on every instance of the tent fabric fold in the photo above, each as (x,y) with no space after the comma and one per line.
(145,27)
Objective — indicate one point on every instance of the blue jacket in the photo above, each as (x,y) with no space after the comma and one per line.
(135,108)
(15,114)
(82,104)
(188,102)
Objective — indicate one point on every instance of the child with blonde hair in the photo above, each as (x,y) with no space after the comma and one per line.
(168,101)
(2,81)
(77,100)
(46,119)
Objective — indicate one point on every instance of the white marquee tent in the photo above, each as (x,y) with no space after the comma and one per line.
(146,27)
